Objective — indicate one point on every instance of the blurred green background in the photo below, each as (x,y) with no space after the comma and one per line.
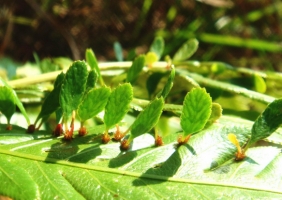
(243,33)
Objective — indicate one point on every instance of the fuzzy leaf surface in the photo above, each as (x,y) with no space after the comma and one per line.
(196,111)
(73,87)
(93,103)
(118,104)
(86,169)
(148,118)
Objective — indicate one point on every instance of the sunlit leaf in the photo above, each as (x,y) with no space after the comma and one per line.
(259,83)
(93,102)
(196,110)
(73,87)
(148,118)
(118,104)
(169,83)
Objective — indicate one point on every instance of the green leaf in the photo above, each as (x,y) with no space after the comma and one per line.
(85,169)
(196,110)
(267,122)
(91,79)
(7,102)
(215,114)
(17,101)
(16,183)
(135,68)
(169,83)
(147,119)
(73,87)
(93,63)
(157,47)
(52,103)
(186,50)
(150,58)
(152,82)
(118,104)
(93,103)
(118,51)
(259,83)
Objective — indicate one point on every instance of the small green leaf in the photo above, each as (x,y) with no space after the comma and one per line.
(118,51)
(196,110)
(93,103)
(17,101)
(259,83)
(151,57)
(7,102)
(152,82)
(52,103)
(135,68)
(186,50)
(16,183)
(93,63)
(169,83)
(118,104)
(215,114)
(147,119)
(158,47)
(91,79)
(73,87)
(267,122)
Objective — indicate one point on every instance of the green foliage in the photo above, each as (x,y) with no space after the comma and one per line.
(196,111)
(51,103)
(7,102)
(207,163)
(267,122)
(186,50)
(73,87)
(158,47)
(147,119)
(118,105)
(135,68)
(169,83)
(93,102)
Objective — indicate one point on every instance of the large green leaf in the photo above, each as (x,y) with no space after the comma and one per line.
(86,169)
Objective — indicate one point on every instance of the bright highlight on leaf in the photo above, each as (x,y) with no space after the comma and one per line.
(151,58)
(196,111)
(259,83)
